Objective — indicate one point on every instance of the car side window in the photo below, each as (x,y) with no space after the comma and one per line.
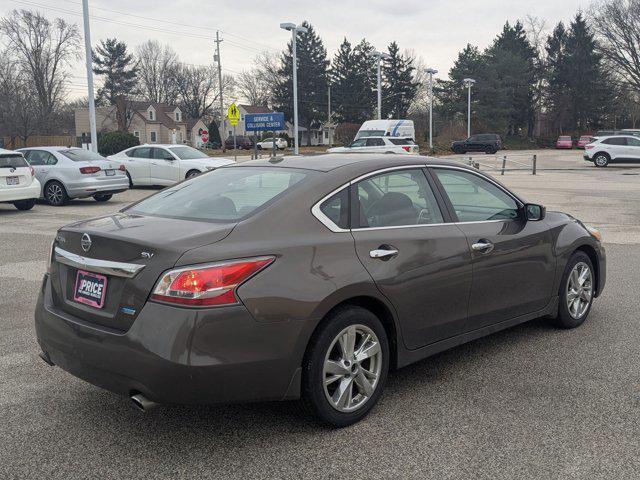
(40,158)
(399,198)
(160,154)
(375,142)
(144,152)
(131,153)
(28,157)
(474,198)
(615,141)
(361,142)
(336,208)
(473,138)
(633,142)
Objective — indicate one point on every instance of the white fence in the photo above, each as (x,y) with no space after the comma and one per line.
(502,163)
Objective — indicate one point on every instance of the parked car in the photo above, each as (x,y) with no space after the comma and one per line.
(18,184)
(483,142)
(613,149)
(66,173)
(404,146)
(387,128)
(267,144)
(257,282)
(584,140)
(165,164)
(564,142)
(212,145)
(242,143)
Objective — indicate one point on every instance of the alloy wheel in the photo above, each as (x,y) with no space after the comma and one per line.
(579,290)
(601,160)
(55,194)
(352,368)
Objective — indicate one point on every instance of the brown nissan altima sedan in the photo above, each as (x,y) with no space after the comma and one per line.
(305,277)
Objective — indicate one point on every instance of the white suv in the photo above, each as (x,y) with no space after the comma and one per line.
(157,164)
(613,149)
(404,146)
(267,144)
(18,184)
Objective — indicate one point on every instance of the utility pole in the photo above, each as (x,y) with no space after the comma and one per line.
(431,73)
(329,115)
(379,56)
(468,82)
(89,58)
(294,29)
(223,123)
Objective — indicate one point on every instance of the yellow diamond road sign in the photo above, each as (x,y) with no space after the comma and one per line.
(234,114)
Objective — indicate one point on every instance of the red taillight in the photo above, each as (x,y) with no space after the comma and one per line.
(89,170)
(588,147)
(122,169)
(406,148)
(211,285)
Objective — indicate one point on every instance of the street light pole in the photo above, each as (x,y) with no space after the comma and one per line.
(294,31)
(89,58)
(379,56)
(468,82)
(431,73)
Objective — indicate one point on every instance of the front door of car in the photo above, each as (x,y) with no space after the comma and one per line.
(375,145)
(512,258)
(417,259)
(633,149)
(165,168)
(358,145)
(472,143)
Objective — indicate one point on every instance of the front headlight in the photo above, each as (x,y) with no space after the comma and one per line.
(595,233)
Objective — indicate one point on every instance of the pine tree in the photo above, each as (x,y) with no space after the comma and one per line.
(312,80)
(556,101)
(111,60)
(399,87)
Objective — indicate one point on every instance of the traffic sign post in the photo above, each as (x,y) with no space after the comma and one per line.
(234,117)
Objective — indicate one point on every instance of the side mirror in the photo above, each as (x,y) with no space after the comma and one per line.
(169,158)
(534,212)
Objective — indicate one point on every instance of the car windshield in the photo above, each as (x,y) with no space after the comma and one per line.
(12,161)
(370,133)
(225,194)
(81,155)
(188,153)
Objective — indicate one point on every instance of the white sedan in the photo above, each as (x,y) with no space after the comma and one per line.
(267,144)
(18,183)
(165,164)
(403,146)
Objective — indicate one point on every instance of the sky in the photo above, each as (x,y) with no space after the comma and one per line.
(435,30)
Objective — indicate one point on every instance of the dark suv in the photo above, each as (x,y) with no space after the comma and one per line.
(483,142)
(242,142)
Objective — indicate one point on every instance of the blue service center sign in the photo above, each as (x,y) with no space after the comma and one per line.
(259,122)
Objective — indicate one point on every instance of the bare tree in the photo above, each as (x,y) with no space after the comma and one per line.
(42,50)
(18,105)
(256,85)
(617,25)
(197,89)
(157,66)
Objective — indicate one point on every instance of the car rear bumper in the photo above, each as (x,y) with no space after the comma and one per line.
(175,355)
(90,186)
(12,194)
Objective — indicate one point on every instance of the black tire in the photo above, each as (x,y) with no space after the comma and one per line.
(601,159)
(259,147)
(130,181)
(490,150)
(25,204)
(314,397)
(56,194)
(565,319)
(192,173)
(102,197)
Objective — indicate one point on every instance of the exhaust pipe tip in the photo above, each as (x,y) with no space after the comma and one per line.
(142,403)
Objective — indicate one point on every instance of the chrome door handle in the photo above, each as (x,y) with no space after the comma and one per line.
(482,246)
(383,253)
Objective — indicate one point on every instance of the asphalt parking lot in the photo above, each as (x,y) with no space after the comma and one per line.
(529,402)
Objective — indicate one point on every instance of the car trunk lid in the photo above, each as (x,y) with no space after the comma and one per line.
(126,253)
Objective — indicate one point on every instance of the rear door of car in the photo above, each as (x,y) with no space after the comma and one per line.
(139,165)
(376,145)
(418,259)
(43,163)
(616,147)
(513,260)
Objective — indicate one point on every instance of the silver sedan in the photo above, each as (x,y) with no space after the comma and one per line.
(67,173)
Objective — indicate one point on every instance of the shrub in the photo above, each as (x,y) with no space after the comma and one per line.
(114,142)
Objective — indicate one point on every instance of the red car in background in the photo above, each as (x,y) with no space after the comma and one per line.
(584,140)
(564,141)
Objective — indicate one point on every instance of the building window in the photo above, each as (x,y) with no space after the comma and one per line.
(154,137)
(326,134)
(177,116)
(151,114)
(136,133)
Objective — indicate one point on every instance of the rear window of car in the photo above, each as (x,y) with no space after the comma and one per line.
(401,141)
(81,155)
(188,153)
(222,195)
(13,161)
(564,138)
